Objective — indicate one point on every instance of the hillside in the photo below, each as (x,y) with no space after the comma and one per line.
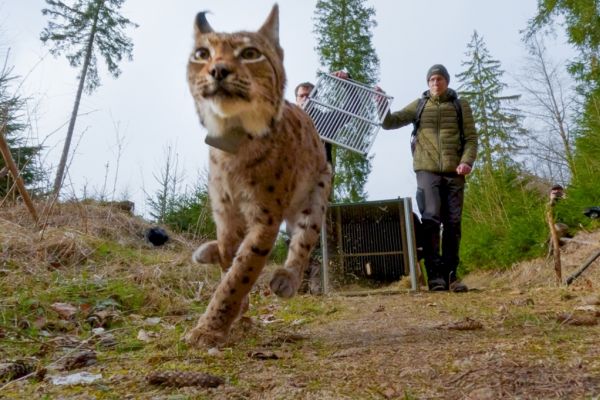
(88,295)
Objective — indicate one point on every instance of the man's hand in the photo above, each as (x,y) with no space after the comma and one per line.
(463,169)
(341,74)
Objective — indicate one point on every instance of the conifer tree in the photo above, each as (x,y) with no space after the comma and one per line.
(498,123)
(12,109)
(169,179)
(503,219)
(85,31)
(343,29)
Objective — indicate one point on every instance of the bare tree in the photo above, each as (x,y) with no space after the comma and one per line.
(549,103)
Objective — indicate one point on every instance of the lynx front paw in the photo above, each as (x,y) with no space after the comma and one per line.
(200,336)
(284,283)
(208,253)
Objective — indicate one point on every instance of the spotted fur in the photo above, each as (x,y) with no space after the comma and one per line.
(276,172)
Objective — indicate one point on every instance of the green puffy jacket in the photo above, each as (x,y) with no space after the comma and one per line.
(438,146)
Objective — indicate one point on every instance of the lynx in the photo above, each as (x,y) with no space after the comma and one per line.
(266,165)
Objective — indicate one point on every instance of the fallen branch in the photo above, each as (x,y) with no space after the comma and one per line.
(565,239)
(14,171)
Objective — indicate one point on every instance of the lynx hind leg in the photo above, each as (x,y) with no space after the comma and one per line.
(221,251)
(286,280)
(207,253)
(305,233)
(212,253)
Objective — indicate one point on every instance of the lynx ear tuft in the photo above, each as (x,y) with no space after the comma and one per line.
(202,24)
(270,28)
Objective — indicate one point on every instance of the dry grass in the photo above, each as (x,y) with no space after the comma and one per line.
(514,337)
(540,272)
(67,232)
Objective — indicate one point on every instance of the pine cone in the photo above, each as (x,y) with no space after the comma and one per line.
(14,370)
(183,378)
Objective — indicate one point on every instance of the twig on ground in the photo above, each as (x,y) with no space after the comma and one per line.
(583,267)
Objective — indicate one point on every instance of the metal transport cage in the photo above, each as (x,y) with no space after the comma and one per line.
(371,240)
(347,113)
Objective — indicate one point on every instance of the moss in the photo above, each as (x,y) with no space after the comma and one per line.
(110,251)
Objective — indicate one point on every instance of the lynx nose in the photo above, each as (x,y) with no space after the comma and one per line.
(219,72)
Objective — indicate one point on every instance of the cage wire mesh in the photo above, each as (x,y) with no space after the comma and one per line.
(372,240)
(347,113)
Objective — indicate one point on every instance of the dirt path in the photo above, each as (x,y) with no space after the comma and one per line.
(485,344)
(518,336)
(482,345)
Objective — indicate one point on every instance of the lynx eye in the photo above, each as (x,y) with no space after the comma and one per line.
(201,54)
(250,53)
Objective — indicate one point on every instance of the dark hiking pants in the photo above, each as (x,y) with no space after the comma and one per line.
(440,201)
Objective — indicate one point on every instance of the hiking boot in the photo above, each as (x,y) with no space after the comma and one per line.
(458,287)
(437,285)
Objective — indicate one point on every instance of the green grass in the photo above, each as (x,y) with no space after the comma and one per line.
(112,252)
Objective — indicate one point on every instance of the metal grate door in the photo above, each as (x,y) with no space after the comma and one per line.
(347,113)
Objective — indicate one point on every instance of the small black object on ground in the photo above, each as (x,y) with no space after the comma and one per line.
(157,236)
(592,212)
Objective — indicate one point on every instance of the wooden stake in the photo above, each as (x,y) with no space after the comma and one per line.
(555,242)
(14,171)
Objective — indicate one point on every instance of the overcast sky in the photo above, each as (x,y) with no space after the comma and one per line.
(149,107)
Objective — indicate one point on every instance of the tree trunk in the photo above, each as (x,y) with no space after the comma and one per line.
(60,173)
(555,243)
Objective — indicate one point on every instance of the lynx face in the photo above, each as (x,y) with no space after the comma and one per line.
(267,165)
(237,79)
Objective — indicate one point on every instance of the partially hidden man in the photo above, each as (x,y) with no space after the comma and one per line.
(444,147)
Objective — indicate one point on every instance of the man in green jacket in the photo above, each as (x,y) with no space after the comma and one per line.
(442,157)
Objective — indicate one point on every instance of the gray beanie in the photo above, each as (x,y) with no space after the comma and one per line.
(438,69)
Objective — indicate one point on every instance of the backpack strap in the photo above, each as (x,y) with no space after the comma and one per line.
(420,108)
(417,121)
